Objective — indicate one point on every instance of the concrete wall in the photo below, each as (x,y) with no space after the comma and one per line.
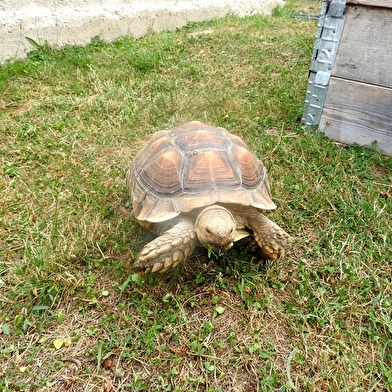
(77,21)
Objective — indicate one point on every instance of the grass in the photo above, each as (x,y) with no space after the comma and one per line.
(71,315)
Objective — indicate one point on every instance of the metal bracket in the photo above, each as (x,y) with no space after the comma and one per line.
(330,27)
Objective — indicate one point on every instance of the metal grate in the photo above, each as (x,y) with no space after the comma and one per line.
(330,27)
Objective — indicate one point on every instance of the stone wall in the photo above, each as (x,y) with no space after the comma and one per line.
(77,21)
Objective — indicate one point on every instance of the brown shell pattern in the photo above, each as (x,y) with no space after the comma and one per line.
(192,166)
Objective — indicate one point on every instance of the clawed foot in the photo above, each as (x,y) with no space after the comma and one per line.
(166,251)
(272,240)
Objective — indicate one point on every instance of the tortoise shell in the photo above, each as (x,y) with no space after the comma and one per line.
(192,166)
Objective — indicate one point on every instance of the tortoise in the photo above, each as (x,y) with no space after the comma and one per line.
(199,185)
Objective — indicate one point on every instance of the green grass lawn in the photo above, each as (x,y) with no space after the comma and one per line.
(73,318)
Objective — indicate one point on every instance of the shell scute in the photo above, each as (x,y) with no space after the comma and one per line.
(161,175)
(156,144)
(202,139)
(251,169)
(210,170)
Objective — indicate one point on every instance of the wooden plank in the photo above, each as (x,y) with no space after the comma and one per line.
(358,113)
(373,3)
(365,50)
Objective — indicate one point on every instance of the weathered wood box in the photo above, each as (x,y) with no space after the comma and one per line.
(349,94)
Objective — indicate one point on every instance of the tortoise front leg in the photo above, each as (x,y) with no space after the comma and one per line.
(272,240)
(168,250)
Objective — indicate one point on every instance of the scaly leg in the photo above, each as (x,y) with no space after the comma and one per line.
(272,239)
(169,249)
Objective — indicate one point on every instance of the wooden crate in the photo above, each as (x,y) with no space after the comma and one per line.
(349,95)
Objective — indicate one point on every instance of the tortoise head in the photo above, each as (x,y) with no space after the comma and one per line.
(216,228)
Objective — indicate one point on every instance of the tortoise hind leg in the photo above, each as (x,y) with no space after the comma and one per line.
(272,240)
(168,250)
